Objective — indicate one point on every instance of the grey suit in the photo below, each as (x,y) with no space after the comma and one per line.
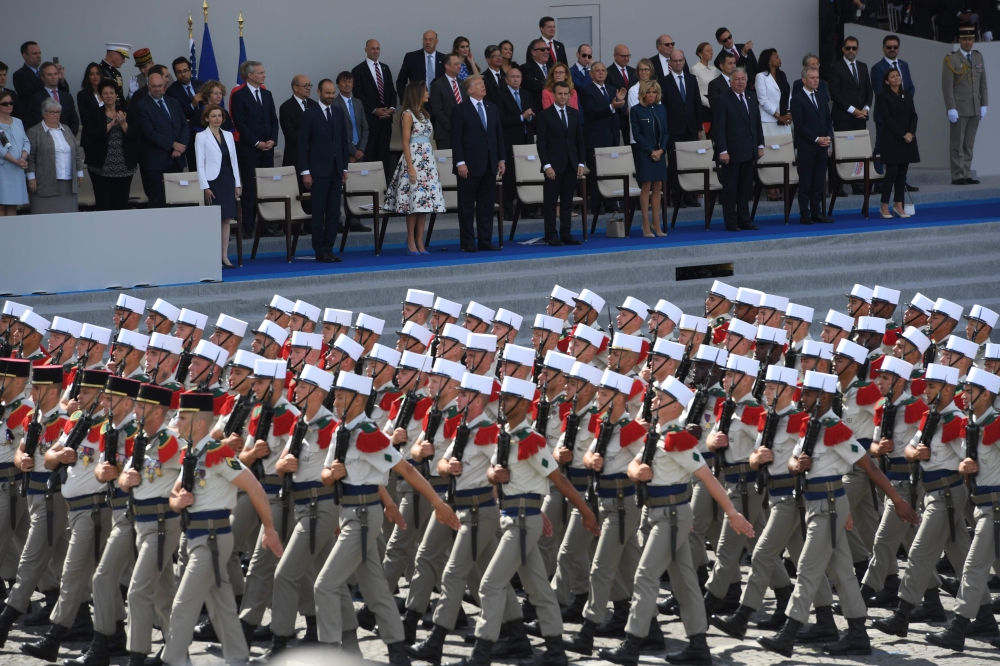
(359,118)
(51,196)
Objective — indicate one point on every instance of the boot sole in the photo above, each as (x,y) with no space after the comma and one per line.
(846,653)
(721,627)
(622,662)
(930,618)
(829,638)
(30,653)
(772,625)
(587,652)
(766,644)
(890,632)
(942,645)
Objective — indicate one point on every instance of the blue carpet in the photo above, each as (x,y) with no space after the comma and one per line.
(395,257)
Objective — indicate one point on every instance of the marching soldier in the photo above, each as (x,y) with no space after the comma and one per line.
(585,343)
(522,474)
(475,543)
(128,310)
(884,302)
(859,302)
(632,315)
(18,400)
(548,423)
(269,340)
(668,484)
(587,308)
(664,318)
(305,350)
(356,465)
(414,338)
(367,331)
(718,303)
(771,311)
(747,304)
(478,318)
(798,319)
(90,349)
(163,353)
(826,509)
(26,338)
(190,327)
(560,305)
(963,84)
(506,325)
(162,317)
(63,337)
(157,526)
(692,332)
(778,432)
(381,366)
(304,317)
(836,327)
(545,334)
(214,475)
(768,350)
(344,354)
(11,314)
(279,311)
(981,323)
(739,338)
(443,312)
(944,317)
(335,323)
(46,509)
(869,333)
(981,466)
(417,306)
(127,354)
(623,358)
(816,356)
(89,515)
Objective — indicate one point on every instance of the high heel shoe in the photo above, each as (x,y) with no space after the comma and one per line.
(884,216)
(647,234)
(902,215)
(413,253)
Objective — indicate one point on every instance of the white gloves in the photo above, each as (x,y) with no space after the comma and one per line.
(982,112)
(953,116)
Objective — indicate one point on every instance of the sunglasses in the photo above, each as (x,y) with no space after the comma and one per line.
(543,49)
(6,104)
(586,55)
(850,48)
(666,44)
(891,48)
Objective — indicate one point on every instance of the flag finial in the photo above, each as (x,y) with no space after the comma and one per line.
(204,9)
(190,27)
(240,21)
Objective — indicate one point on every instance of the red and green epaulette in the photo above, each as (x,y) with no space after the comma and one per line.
(529,443)
(17,411)
(678,439)
(795,420)
(388,398)
(835,432)
(130,430)
(94,435)
(167,446)
(751,413)
(216,452)
(370,438)
(486,433)
(868,394)
(990,433)
(952,426)
(227,406)
(52,427)
(451,426)
(327,425)
(590,411)
(631,432)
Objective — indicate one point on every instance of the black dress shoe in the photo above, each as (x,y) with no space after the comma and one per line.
(227,267)
(971,181)
(569,240)
(960,181)
(691,201)
(823,219)
(729,228)
(680,204)
(749,227)
(489,248)
(554,242)
(470,248)
(357,226)
(805,220)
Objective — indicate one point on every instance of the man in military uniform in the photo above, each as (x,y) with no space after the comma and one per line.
(335,323)
(367,331)
(771,310)
(415,338)
(126,355)
(18,401)
(268,340)
(443,312)
(478,318)
(981,320)
(718,303)
(859,301)
(884,302)
(127,313)
(798,319)
(228,333)
(143,60)
(417,306)
(963,84)
(115,57)
(90,356)
(11,314)
(162,317)
(506,324)
(26,338)
(63,336)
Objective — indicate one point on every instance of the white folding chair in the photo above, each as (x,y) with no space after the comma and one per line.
(696,174)
(852,163)
(776,169)
(364,194)
(278,203)
(614,173)
(529,181)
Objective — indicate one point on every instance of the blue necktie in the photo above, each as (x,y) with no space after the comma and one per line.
(517,98)
(604,91)
(482,113)
(430,70)
(680,80)
(354,125)
(562,114)
(163,107)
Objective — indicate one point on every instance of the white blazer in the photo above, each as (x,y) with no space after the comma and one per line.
(768,95)
(208,156)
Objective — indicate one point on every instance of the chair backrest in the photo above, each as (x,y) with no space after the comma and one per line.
(364,177)
(778,149)
(396,138)
(527,167)
(614,161)
(446,174)
(85,197)
(183,189)
(278,182)
(696,155)
(853,145)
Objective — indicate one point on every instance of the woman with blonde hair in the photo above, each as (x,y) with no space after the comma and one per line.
(415,189)
(649,129)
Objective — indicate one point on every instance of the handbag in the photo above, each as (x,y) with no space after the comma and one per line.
(909,207)
(616,227)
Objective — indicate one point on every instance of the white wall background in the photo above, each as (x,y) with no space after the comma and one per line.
(320,38)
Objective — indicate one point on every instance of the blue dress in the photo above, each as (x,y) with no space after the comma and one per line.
(13,186)
(463,72)
(649,127)
(224,185)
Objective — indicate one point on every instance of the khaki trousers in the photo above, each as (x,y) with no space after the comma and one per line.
(962,140)
(891,533)
(402,546)
(726,569)
(79,565)
(613,557)
(977,564)
(861,538)
(37,556)
(151,591)
(118,556)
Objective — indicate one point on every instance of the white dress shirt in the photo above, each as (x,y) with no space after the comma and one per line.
(664,63)
(302,102)
(64,155)
(851,64)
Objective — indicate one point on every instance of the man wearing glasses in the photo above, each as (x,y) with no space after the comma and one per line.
(620,75)
(661,61)
(290,118)
(743,53)
(536,69)
(851,91)
(890,49)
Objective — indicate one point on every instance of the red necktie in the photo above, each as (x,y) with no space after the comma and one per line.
(454,88)
(625,76)
(552,52)
(55,95)
(379,83)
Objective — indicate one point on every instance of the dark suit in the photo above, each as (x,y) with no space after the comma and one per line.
(193,114)
(810,122)
(516,132)
(877,75)
(581,79)
(414,68)
(560,52)
(560,145)
(716,87)
(737,131)
(379,130)
(846,92)
(747,62)
(68,117)
(322,151)
(27,83)
(533,78)
(601,129)
(88,109)
(658,72)
(493,86)
(442,99)
(481,148)
(290,118)
(615,81)
(684,118)
(256,122)
(159,134)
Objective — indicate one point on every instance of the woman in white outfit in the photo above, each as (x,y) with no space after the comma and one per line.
(218,173)
(773,94)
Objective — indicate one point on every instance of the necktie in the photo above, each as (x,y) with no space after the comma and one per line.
(604,91)
(625,77)
(379,83)
(354,125)
(894,66)
(55,95)
(454,89)
(190,93)
(545,70)
(163,107)
(562,114)
(482,113)
(496,75)
(680,84)
(586,70)
(517,98)
(744,100)
(812,96)
(430,69)
(257,95)
(854,71)
(968,56)
(327,114)
(552,52)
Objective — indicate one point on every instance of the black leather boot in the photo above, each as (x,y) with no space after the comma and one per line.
(855,641)
(515,645)
(777,621)
(995,642)
(696,652)
(702,577)
(247,632)
(784,641)
(48,647)
(83,626)
(532,628)
(731,601)
(204,631)
(155,660)
(583,642)
(366,618)
(653,642)
(574,612)
(118,644)
(262,634)
(985,624)
(311,635)
(136,659)
(528,610)
(626,653)
(952,638)
(480,655)
(8,617)
(824,631)
(278,645)
(670,606)
(898,623)
(397,654)
(554,654)
(712,604)
(930,609)
(410,622)
(41,616)
(888,596)
(860,568)
(734,625)
(429,650)
(614,627)
(97,654)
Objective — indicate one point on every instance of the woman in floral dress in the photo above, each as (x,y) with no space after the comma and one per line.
(415,189)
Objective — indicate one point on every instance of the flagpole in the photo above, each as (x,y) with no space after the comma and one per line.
(190,27)
(240,21)
(204,9)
